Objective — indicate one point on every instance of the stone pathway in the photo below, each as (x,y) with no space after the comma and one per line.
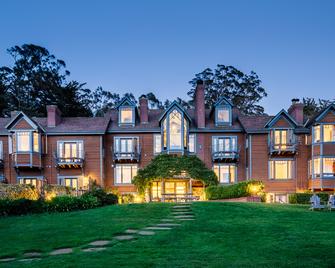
(179,213)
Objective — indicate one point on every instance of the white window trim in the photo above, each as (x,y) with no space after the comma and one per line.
(293,175)
(126,138)
(154,151)
(115,174)
(230,142)
(132,123)
(71,141)
(222,123)
(224,164)
(195,143)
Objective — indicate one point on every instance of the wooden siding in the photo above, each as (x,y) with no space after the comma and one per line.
(22,124)
(282,122)
(329,118)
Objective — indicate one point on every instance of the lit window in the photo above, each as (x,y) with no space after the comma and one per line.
(126,115)
(157,143)
(36,138)
(317,167)
(225,173)
(317,134)
(175,130)
(125,173)
(191,143)
(29,181)
(281,169)
(71,183)
(70,149)
(224,144)
(328,133)
(329,167)
(156,190)
(222,115)
(23,141)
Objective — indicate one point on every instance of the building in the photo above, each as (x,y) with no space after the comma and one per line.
(288,152)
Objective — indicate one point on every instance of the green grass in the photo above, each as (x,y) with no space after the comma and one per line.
(223,235)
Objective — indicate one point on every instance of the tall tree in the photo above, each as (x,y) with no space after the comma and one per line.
(37,79)
(244,90)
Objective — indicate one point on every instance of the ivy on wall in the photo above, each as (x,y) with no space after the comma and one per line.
(169,166)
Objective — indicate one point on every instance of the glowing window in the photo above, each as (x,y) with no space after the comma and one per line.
(23,141)
(328,133)
(281,169)
(317,134)
(126,115)
(225,173)
(125,173)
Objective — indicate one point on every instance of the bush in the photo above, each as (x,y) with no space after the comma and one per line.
(53,190)
(21,206)
(241,189)
(103,197)
(126,198)
(71,203)
(18,191)
(303,198)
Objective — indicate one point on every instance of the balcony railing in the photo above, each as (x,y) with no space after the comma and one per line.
(283,148)
(69,162)
(26,160)
(134,155)
(225,156)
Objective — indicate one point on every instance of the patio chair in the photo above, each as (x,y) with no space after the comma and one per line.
(331,202)
(316,203)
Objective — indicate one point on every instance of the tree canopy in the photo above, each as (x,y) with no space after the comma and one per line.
(243,90)
(169,166)
(313,106)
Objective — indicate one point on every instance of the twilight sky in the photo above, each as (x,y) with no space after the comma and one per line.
(141,46)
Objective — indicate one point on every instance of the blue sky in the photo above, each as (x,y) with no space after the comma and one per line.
(143,46)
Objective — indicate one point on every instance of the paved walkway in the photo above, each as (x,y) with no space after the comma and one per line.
(179,212)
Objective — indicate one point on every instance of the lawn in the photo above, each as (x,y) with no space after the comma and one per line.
(223,235)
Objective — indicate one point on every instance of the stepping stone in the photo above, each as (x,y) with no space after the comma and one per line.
(157,228)
(7,259)
(93,249)
(183,216)
(187,219)
(181,206)
(61,251)
(146,233)
(99,243)
(131,231)
(124,237)
(32,254)
(30,259)
(167,224)
(167,220)
(182,212)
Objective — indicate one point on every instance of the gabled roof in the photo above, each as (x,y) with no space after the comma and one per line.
(172,105)
(223,100)
(272,121)
(320,115)
(126,101)
(22,115)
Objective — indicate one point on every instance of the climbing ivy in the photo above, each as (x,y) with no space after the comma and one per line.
(169,166)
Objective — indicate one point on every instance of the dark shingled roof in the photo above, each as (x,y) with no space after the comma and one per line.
(255,123)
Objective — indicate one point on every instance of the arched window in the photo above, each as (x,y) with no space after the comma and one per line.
(175,131)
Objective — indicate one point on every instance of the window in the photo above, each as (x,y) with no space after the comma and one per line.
(175,130)
(316,167)
(125,173)
(224,144)
(281,198)
(23,141)
(125,145)
(328,133)
(281,169)
(317,134)
(191,143)
(281,138)
(1,150)
(71,183)
(36,140)
(223,115)
(30,181)
(75,183)
(70,150)
(157,143)
(156,190)
(225,173)
(127,115)
(329,167)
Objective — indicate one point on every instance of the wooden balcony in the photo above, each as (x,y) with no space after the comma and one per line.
(283,149)
(24,160)
(225,156)
(133,156)
(69,162)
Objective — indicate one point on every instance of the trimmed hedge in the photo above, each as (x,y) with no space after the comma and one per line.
(303,198)
(241,189)
(102,196)
(18,191)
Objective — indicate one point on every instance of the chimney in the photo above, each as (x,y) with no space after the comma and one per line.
(54,115)
(200,104)
(296,110)
(144,109)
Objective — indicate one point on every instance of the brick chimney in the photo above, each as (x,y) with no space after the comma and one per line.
(54,115)
(199,104)
(144,109)
(296,110)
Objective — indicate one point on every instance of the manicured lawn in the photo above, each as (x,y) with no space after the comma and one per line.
(223,235)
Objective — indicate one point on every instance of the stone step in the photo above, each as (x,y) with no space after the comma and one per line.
(61,251)
(146,233)
(157,228)
(167,224)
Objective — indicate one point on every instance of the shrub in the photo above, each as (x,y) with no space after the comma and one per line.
(18,191)
(303,198)
(126,198)
(103,197)
(241,189)
(21,206)
(71,203)
(53,190)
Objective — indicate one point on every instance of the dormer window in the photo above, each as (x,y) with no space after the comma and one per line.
(27,141)
(127,115)
(223,112)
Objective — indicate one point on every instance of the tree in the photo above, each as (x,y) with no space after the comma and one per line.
(312,106)
(243,90)
(37,79)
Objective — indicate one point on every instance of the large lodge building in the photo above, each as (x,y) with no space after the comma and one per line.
(288,152)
